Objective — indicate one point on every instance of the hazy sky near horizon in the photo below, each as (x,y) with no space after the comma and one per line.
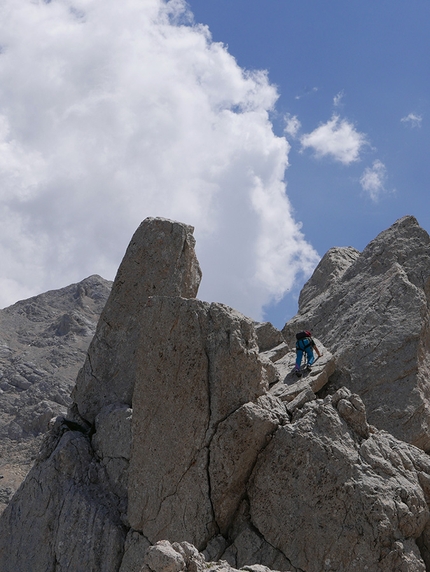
(277,128)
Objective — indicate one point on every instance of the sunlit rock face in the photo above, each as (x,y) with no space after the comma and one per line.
(190,445)
(372,311)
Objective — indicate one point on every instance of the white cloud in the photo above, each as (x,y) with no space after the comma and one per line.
(307,91)
(373,180)
(337,99)
(292,125)
(337,138)
(111,112)
(412,120)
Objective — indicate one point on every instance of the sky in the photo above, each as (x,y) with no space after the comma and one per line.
(277,128)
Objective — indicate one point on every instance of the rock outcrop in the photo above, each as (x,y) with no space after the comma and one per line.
(371,309)
(160,260)
(188,447)
(43,342)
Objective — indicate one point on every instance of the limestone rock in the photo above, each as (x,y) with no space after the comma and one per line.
(301,399)
(270,341)
(361,500)
(162,556)
(160,260)
(199,364)
(63,515)
(268,336)
(184,557)
(43,342)
(112,444)
(184,437)
(374,318)
(290,386)
(135,548)
(331,268)
(234,451)
(351,409)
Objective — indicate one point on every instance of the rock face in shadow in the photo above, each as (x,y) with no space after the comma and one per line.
(372,311)
(43,342)
(186,439)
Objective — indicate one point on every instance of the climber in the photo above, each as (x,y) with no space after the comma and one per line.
(305,343)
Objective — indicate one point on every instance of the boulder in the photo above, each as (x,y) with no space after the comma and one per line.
(135,548)
(268,337)
(289,385)
(371,310)
(329,499)
(234,451)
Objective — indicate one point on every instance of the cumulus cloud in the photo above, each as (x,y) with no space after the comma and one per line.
(111,112)
(412,120)
(373,180)
(337,138)
(292,125)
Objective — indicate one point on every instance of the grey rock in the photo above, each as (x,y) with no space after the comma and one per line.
(112,444)
(303,397)
(234,451)
(63,514)
(363,502)
(183,437)
(162,556)
(134,552)
(351,409)
(43,342)
(374,317)
(199,365)
(215,548)
(160,260)
(290,385)
(249,546)
(330,269)
(277,352)
(268,337)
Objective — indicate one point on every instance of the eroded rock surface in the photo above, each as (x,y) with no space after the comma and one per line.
(64,517)
(195,442)
(198,365)
(372,312)
(160,260)
(43,342)
(359,498)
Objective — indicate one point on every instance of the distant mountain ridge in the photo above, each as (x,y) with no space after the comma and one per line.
(43,342)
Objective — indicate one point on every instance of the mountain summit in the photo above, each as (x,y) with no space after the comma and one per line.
(189,444)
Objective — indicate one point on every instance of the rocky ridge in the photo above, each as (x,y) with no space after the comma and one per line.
(43,342)
(372,311)
(189,445)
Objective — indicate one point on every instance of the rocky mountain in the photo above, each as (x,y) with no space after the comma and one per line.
(190,445)
(43,343)
(372,311)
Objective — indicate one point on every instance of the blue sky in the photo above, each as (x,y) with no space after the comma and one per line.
(278,129)
(374,57)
